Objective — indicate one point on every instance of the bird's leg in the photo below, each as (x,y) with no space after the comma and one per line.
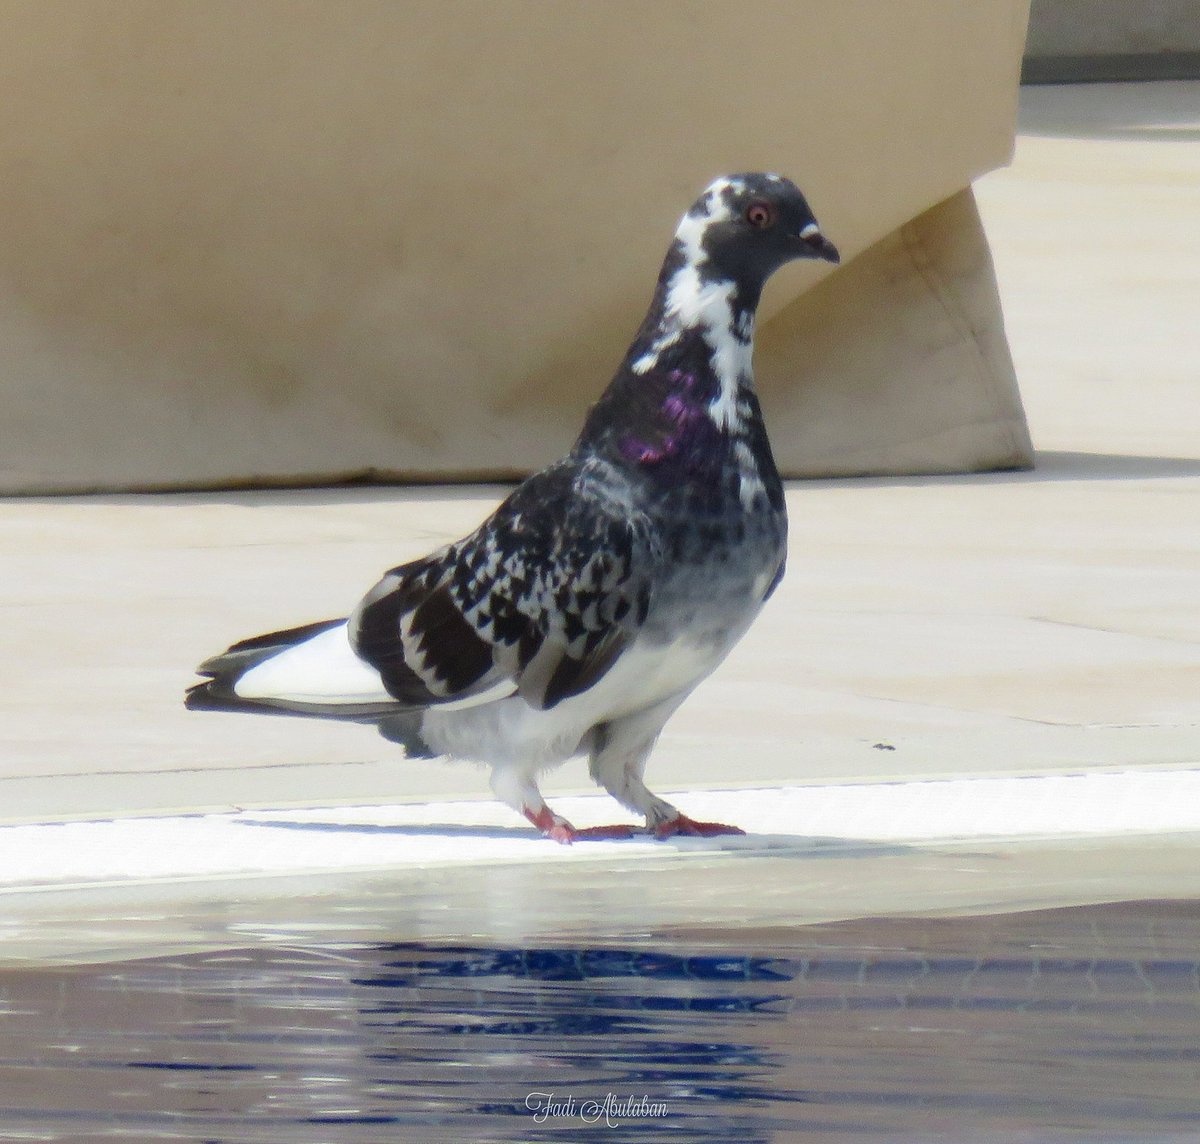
(518,788)
(681,824)
(551,825)
(617,763)
(554,826)
(621,776)
(520,791)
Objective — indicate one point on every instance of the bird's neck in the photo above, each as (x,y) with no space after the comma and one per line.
(702,323)
(682,408)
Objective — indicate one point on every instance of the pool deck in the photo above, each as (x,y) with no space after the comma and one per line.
(1005,665)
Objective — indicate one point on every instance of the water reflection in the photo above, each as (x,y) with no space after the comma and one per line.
(1079,1025)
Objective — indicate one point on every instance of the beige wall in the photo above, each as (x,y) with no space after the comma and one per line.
(278,239)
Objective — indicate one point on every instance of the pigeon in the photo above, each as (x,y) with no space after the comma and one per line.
(578,617)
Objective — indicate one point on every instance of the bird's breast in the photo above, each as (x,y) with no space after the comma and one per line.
(718,569)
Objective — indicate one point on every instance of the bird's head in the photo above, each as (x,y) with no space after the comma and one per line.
(744,227)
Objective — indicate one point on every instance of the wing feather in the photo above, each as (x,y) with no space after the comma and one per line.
(544,596)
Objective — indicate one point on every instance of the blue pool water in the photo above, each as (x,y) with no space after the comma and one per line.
(1067,1025)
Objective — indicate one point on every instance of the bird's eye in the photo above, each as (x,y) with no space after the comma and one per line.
(760,214)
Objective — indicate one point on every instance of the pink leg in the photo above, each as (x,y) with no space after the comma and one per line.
(552,825)
(618,761)
(555,826)
(681,824)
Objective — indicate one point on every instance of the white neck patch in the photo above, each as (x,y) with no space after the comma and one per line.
(692,303)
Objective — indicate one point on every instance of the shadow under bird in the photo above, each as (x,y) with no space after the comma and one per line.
(585,609)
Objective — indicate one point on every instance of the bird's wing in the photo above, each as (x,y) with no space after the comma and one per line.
(539,601)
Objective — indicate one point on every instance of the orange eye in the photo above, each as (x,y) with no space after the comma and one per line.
(760,214)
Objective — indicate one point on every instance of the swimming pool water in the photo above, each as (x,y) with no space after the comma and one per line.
(1077,1024)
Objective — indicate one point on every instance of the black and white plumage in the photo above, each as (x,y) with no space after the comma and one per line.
(585,609)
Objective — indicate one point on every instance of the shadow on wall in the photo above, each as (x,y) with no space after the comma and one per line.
(780,845)
(1049,466)
(1056,466)
(1149,112)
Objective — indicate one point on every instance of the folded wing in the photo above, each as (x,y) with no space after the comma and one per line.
(539,601)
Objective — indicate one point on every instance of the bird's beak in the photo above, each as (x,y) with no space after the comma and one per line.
(818,246)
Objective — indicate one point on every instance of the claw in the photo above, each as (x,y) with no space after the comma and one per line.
(681,824)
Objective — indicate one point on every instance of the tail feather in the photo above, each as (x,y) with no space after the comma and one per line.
(214,695)
(308,685)
(220,691)
(240,657)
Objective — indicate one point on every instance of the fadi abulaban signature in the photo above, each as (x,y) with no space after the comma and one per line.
(609,1109)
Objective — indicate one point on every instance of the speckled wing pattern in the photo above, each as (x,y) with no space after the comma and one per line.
(539,601)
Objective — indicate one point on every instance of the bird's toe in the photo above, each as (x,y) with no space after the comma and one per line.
(682,825)
(552,825)
(601,833)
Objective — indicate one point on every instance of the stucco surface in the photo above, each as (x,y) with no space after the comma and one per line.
(294,241)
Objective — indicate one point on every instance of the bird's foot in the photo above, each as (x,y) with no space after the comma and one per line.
(552,825)
(613,830)
(681,824)
(555,826)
